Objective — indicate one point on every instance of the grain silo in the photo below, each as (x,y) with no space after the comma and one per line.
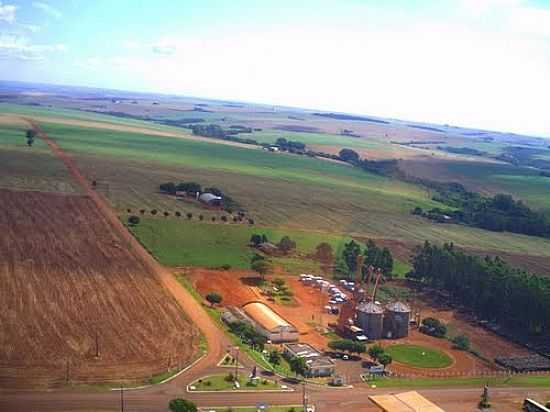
(396,320)
(370,318)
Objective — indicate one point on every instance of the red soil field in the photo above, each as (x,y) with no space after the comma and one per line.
(70,285)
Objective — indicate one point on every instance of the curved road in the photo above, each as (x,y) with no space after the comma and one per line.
(155,398)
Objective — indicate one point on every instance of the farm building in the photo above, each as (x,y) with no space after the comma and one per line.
(269,323)
(317,365)
(211,199)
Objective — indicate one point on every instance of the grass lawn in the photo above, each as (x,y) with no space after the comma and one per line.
(419,356)
(220,383)
(519,381)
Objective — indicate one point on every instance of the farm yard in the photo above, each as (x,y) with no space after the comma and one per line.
(71,289)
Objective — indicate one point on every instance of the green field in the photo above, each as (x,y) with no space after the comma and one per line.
(419,356)
(30,168)
(178,242)
(283,192)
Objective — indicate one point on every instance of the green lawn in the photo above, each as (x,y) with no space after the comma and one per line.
(419,356)
(220,383)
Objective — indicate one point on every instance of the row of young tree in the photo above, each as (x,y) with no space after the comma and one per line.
(373,256)
(488,286)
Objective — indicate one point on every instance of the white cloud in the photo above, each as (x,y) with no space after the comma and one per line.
(46,8)
(20,48)
(33,28)
(7,12)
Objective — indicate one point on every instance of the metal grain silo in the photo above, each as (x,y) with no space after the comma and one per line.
(396,322)
(370,318)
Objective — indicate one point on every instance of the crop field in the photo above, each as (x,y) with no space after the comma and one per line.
(27,168)
(77,304)
(271,187)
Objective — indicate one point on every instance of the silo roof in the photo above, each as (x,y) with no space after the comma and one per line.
(370,307)
(398,307)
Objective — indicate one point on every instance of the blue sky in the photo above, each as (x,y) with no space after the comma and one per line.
(479,63)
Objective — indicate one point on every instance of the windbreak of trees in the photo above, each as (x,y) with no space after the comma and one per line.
(290,145)
(374,256)
(498,214)
(488,286)
(380,167)
(217,132)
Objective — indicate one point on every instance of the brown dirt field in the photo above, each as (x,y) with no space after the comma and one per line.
(487,343)
(66,277)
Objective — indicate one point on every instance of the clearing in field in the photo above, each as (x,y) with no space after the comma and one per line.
(78,304)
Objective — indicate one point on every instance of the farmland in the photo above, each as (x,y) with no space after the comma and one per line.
(78,305)
(343,200)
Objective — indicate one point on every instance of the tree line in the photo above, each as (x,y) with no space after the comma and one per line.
(373,256)
(498,213)
(491,288)
(381,167)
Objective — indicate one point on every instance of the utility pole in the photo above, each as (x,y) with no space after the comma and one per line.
(237,350)
(304,396)
(96,344)
(121,398)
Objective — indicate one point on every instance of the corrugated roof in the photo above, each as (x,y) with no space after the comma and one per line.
(398,307)
(370,307)
(265,316)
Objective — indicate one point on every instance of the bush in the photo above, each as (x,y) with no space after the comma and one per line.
(462,342)
(226,266)
(182,405)
(154,212)
(433,327)
(133,220)
(214,298)
(229,377)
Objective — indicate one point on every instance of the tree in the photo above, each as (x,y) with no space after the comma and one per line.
(182,405)
(279,282)
(30,135)
(133,220)
(154,212)
(169,187)
(189,215)
(286,245)
(462,342)
(264,239)
(178,214)
(375,351)
(349,155)
(274,357)
(189,187)
(262,267)
(142,211)
(255,239)
(201,218)
(166,214)
(385,359)
(350,253)
(224,218)
(214,298)
(298,366)
(323,253)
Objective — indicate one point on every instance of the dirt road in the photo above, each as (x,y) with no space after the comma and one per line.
(217,341)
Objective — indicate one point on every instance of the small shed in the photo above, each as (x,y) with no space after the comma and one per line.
(211,199)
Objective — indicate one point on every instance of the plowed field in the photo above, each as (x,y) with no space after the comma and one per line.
(71,288)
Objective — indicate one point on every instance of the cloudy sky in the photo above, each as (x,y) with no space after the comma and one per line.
(479,63)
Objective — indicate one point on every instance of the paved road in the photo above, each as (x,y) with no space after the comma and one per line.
(156,398)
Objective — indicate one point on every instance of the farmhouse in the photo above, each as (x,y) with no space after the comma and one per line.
(211,199)
(269,323)
(317,365)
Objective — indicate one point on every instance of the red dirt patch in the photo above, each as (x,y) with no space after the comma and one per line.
(67,277)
